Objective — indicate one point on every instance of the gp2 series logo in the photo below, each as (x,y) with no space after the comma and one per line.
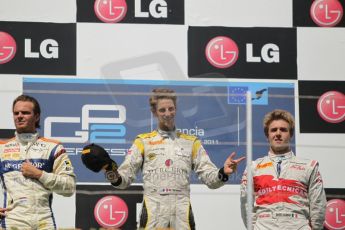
(93,129)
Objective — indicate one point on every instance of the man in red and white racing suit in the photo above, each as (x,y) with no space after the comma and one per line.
(288,191)
(167,159)
(31,169)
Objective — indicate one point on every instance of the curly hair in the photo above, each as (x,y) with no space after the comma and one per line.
(161,93)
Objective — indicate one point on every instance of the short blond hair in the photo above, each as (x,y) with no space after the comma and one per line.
(279,114)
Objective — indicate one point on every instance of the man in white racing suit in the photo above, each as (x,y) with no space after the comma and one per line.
(288,190)
(167,158)
(32,168)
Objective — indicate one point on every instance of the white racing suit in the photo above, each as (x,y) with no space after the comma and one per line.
(30,200)
(167,160)
(293,200)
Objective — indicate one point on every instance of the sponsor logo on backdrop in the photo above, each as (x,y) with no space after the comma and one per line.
(38,48)
(93,129)
(221,52)
(335,214)
(110,10)
(318,13)
(156,9)
(96,209)
(326,13)
(321,106)
(131,11)
(111,211)
(331,107)
(49,48)
(8,47)
(242,52)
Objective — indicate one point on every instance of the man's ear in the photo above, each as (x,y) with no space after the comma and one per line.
(154,113)
(37,117)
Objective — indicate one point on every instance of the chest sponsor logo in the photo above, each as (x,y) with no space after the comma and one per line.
(265,165)
(168,162)
(151,156)
(267,189)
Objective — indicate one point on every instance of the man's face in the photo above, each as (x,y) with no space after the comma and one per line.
(24,117)
(279,136)
(165,113)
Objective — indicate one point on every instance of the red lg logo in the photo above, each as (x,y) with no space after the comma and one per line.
(221,52)
(110,10)
(326,13)
(331,107)
(335,214)
(111,211)
(8,47)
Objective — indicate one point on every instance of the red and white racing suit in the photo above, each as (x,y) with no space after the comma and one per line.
(29,200)
(167,160)
(294,199)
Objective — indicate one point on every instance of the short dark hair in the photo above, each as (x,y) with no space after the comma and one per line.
(37,108)
(161,93)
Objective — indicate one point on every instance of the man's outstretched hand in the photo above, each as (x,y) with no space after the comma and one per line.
(230,164)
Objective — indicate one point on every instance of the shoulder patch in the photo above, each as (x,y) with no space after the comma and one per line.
(313,163)
(147,135)
(49,140)
(264,165)
(6,141)
(186,136)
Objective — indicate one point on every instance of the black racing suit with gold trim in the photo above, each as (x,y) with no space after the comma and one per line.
(167,160)
(29,200)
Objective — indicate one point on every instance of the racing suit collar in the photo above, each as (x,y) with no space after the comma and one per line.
(167,134)
(25,138)
(280,157)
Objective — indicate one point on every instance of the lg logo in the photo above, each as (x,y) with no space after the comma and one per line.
(111,212)
(331,106)
(49,48)
(223,52)
(8,47)
(335,214)
(326,13)
(157,9)
(112,11)
(93,129)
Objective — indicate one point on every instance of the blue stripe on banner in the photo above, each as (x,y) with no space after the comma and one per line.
(150,82)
